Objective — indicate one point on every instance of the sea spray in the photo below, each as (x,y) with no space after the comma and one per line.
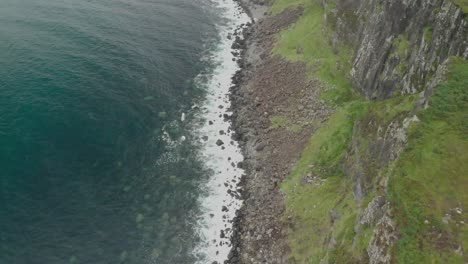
(219,200)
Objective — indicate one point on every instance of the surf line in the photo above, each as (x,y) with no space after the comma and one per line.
(220,198)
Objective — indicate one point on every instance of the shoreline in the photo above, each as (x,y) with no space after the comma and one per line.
(262,91)
(219,199)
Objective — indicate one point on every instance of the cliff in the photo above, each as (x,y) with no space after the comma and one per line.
(399,44)
(378,117)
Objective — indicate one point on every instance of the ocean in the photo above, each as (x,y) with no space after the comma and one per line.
(114,146)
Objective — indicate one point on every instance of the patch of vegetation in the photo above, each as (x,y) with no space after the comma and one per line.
(401,48)
(296,128)
(401,68)
(428,34)
(278,122)
(430,178)
(383,112)
(401,45)
(280,5)
(309,203)
(309,207)
(281,122)
(463,4)
(365,157)
(327,146)
(380,7)
(310,35)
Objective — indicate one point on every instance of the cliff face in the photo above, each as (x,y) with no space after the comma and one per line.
(399,44)
(352,116)
(385,167)
(400,48)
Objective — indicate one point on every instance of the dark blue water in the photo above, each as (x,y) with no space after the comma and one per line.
(87,90)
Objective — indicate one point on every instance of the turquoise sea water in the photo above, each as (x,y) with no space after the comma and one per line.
(90,92)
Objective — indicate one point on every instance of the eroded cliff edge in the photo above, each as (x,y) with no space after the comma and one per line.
(352,116)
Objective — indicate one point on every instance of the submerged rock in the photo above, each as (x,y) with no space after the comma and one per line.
(162,114)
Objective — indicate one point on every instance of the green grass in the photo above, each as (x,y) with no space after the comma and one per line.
(280,5)
(308,204)
(369,129)
(326,147)
(310,35)
(279,122)
(463,4)
(428,34)
(388,110)
(401,45)
(431,176)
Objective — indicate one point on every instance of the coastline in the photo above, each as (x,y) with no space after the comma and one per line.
(219,198)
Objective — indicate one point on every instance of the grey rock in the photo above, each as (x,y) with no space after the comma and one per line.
(260,146)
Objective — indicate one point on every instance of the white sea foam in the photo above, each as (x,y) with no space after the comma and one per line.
(219,159)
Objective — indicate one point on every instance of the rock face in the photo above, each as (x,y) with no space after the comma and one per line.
(399,44)
(383,238)
(399,47)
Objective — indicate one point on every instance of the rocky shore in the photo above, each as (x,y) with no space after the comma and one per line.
(274,109)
